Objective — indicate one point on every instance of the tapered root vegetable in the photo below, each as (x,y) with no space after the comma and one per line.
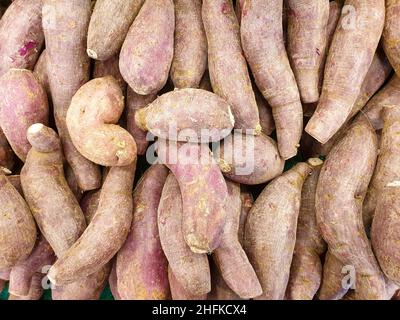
(385,232)
(203,190)
(264,48)
(21,274)
(341,189)
(187,115)
(219,289)
(307,38)
(110,67)
(353,47)
(391,33)
(35,289)
(21,47)
(46,191)
(147,52)
(65,24)
(191,270)
(105,234)
(91,120)
(109,26)
(225,56)
(230,257)
(6,153)
(17,227)
(178,292)
(23,103)
(142,269)
(135,102)
(306,268)
(249,159)
(270,232)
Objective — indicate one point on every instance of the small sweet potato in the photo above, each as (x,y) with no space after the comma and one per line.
(147,52)
(193,115)
(46,191)
(142,269)
(178,292)
(105,234)
(385,232)
(247,203)
(35,289)
(109,26)
(41,74)
(307,42)
(391,34)
(91,120)
(203,190)
(23,103)
(265,112)
(341,189)
(110,67)
(249,159)
(270,232)
(21,47)
(17,227)
(225,57)
(72,183)
(6,153)
(192,270)
(190,51)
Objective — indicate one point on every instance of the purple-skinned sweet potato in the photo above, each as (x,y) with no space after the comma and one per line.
(35,291)
(265,112)
(391,34)
(23,103)
(7,157)
(203,191)
(142,269)
(41,74)
(178,292)
(270,232)
(191,270)
(21,47)
(110,67)
(147,52)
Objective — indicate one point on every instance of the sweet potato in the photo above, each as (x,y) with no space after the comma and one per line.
(65,25)
(113,281)
(178,292)
(147,52)
(35,289)
(5,274)
(225,57)
(135,102)
(142,269)
(17,227)
(23,103)
(270,232)
(41,74)
(22,274)
(306,268)
(264,48)
(385,232)
(353,46)
(203,190)
(265,112)
(187,115)
(249,159)
(21,47)
(219,289)
(105,234)
(307,42)
(191,270)
(46,191)
(109,26)
(90,203)
(230,257)
(15,180)
(341,189)
(110,67)
(190,47)
(391,34)
(247,203)
(91,120)
(72,183)
(6,153)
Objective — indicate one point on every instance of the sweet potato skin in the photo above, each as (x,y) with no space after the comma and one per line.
(276,210)
(249,159)
(203,190)
(190,47)
(391,34)
(341,189)
(385,225)
(109,26)
(147,52)
(185,115)
(91,120)
(265,112)
(40,72)
(178,292)
(7,157)
(17,227)
(21,48)
(23,103)
(225,56)
(110,67)
(190,270)
(352,47)
(35,289)
(142,269)
(113,281)
(65,25)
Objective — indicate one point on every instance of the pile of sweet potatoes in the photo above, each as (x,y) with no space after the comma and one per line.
(200,150)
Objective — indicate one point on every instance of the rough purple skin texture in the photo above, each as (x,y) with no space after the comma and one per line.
(147,52)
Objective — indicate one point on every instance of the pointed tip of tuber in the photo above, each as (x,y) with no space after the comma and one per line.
(140,119)
(315,162)
(35,128)
(92,54)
